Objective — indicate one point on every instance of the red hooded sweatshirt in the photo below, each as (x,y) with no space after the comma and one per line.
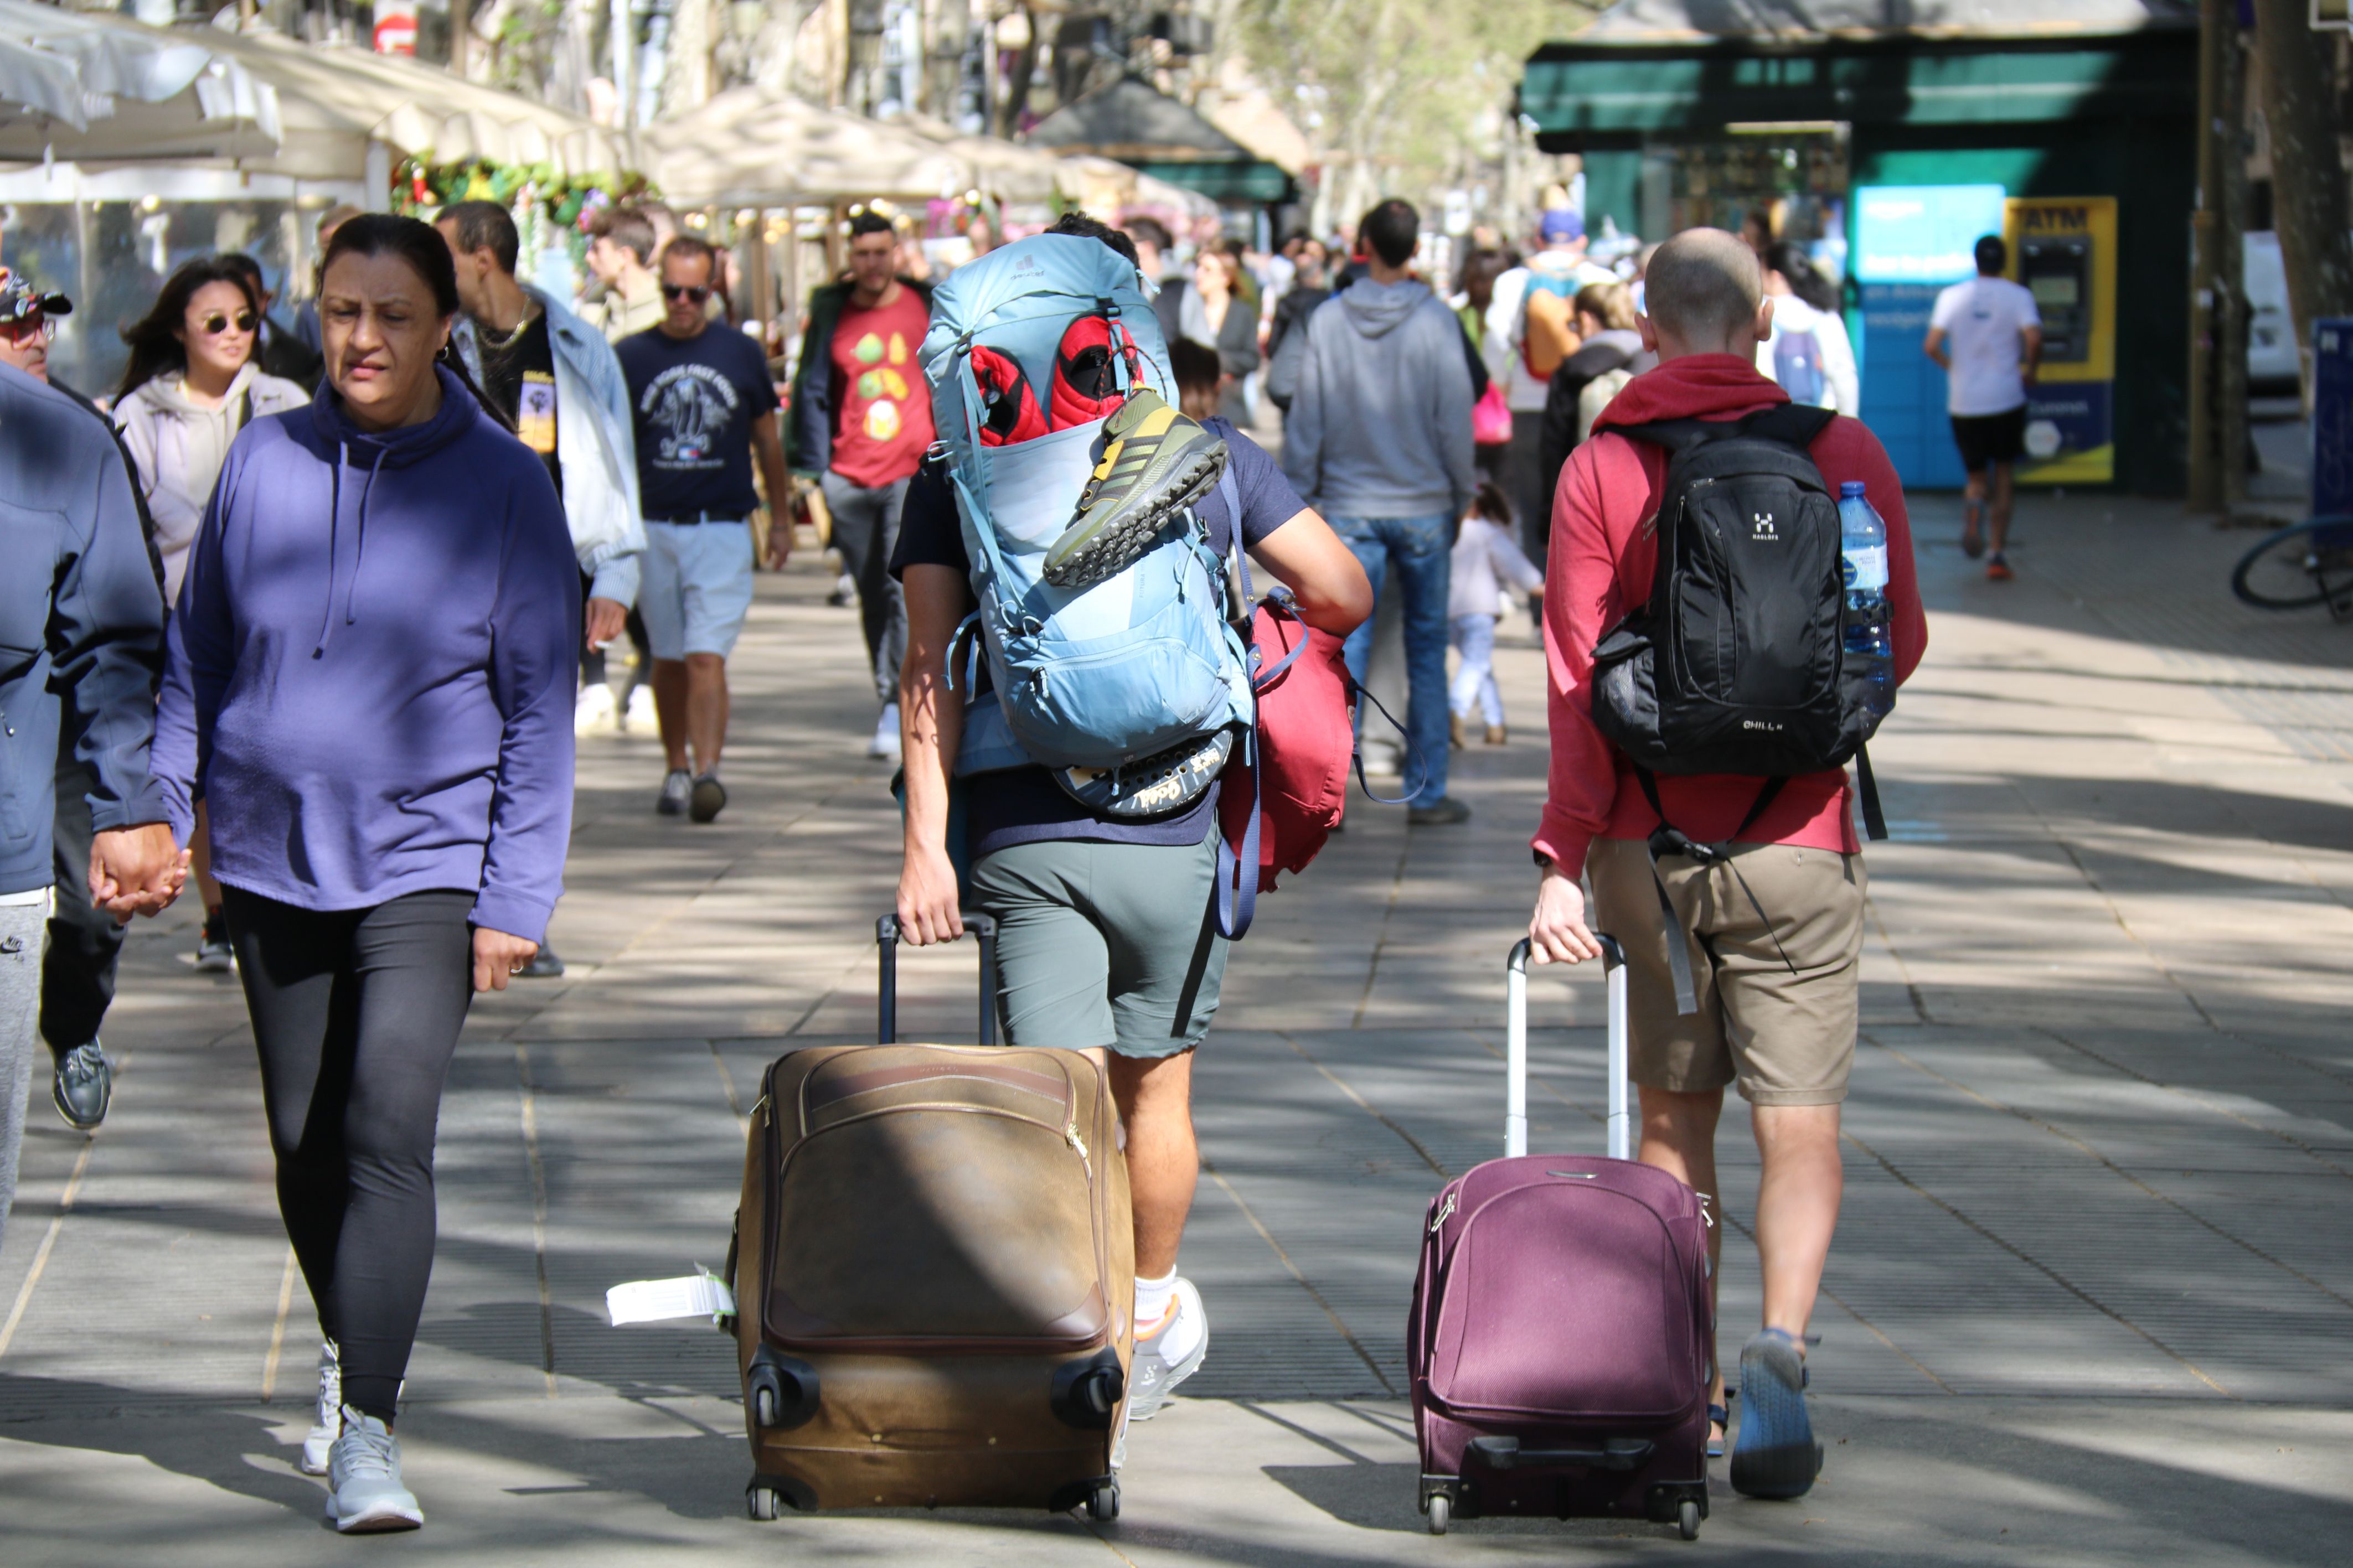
(1604,551)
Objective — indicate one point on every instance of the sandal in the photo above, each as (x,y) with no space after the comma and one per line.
(1719,1419)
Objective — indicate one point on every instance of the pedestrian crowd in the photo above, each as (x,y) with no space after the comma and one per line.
(332,602)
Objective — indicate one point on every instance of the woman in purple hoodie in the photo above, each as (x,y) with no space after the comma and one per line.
(369,683)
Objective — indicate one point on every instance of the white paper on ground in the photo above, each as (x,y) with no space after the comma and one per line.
(654,1301)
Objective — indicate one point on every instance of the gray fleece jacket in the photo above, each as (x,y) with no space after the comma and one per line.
(1380,425)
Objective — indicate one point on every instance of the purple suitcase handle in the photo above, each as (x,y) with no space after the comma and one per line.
(1516,1051)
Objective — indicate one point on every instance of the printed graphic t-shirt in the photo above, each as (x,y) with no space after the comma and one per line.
(519,376)
(1025,805)
(882,405)
(1981,319)
(694,403)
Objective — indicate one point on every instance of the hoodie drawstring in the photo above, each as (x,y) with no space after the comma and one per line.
(335,538)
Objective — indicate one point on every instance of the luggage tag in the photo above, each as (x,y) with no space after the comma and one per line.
(701,1294)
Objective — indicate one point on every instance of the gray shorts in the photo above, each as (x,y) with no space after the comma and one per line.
(1104,944)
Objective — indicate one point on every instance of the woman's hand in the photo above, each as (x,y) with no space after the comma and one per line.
(499,957)
(928,908)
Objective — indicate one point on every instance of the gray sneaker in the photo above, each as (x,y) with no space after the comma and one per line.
(1151,1377)
(676,785)
(363,1490)
(84,1084)
(320,1441)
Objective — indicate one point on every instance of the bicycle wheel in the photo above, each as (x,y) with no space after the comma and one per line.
(2299,567)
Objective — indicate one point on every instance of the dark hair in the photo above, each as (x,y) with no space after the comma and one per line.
(1785,258)
(1085,227)
(1993,255)
(482,224)
(155,346)
(1196,366)
(250,268)
(421,247)
(1481,263)
(1488,501)
(1151,231)
(629,229)
(686,246)
(871,222)
(1392,230)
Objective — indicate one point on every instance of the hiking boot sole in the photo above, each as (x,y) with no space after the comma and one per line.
(1093,549)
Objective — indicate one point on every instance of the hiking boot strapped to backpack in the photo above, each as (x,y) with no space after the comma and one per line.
(1737,663)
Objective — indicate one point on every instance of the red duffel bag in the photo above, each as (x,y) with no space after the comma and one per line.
(1285,787)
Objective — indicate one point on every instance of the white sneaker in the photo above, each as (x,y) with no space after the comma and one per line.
(363,1490)
(885,744)
(595,710)
(330,1424)
(678,787)
(640,712)
(1170,1355)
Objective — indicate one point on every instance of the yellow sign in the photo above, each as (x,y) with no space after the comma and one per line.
(2063,249)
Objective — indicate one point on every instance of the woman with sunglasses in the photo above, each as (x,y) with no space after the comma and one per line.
(192,382)
(369,679)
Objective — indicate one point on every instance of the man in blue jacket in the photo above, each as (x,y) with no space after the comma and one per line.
(81,631)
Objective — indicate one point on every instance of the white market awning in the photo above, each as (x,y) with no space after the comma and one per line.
(750,148)
(78,85)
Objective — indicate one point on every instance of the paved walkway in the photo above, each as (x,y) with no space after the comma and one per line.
(2090,1296)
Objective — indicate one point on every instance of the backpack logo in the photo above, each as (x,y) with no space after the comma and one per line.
(1766,725)
(1763,528)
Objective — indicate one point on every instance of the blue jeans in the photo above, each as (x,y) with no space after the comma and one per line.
(1422,548)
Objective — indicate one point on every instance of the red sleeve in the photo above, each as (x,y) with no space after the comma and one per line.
(1582,601)
(1850,451)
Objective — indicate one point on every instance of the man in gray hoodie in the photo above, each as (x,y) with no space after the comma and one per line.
(1378,440)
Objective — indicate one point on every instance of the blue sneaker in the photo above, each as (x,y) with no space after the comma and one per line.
(1775,1455)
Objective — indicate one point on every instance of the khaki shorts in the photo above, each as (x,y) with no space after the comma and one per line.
(1785,1039)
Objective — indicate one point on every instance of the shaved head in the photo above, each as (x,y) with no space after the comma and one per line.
(1702,286)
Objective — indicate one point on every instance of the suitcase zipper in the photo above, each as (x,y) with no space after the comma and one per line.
(1444,1210)
(1071,1133)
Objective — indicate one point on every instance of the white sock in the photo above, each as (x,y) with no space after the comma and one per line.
(1152,1298)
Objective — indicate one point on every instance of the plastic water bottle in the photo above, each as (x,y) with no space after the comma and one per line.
(1863,543)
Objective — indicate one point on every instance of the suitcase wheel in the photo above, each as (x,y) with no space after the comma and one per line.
(1439,1511)
(762,1502)
(1687,1520)
(1103,1503)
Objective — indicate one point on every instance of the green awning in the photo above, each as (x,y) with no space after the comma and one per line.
(1253,180)
(1594,95)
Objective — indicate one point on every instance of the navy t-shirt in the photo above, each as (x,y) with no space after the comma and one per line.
(695,401)
(1025,805)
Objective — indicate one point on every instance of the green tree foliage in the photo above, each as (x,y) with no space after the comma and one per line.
(1394,92)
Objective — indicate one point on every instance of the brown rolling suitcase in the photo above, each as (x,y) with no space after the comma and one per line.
(934,1273)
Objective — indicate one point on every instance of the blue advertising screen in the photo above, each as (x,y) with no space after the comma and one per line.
(1922,234)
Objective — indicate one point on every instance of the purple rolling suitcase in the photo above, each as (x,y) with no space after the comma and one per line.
(1561,1332)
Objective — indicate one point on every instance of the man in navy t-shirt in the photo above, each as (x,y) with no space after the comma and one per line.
(1105,935)
(703,402)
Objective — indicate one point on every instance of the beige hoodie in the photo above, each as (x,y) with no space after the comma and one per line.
(180,446)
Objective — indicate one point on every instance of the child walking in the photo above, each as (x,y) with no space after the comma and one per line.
(1485,557)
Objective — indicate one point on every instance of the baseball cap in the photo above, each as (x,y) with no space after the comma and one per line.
(18,300)
(1560,225)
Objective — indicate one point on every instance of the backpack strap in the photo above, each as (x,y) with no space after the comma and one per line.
(1791,424)
(1669,839)
(1238,872)
(1874,821)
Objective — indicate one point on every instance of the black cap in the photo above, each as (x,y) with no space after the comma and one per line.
(18,300)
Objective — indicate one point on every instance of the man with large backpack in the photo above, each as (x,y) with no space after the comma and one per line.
(1737,892)
(1108,935)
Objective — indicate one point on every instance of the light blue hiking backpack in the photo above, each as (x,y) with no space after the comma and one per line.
(1092,681)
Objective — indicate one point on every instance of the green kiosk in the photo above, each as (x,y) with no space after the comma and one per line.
(1885,148)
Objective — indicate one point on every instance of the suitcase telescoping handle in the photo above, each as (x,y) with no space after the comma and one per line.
(886,941)
(1516,1051)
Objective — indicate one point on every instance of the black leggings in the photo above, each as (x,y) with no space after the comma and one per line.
(357,1013)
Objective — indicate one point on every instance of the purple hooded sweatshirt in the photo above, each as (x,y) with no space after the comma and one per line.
(369,675)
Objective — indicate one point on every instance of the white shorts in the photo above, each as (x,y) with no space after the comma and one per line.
(697,587)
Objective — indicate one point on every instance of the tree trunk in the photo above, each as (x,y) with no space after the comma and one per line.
(2307,169)
(1016,86)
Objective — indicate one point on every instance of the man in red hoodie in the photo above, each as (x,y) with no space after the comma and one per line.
(1783,1030)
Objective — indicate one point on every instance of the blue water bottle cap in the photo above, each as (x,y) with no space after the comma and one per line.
(1851,489)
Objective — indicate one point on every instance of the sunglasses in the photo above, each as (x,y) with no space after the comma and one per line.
(26,329)
(216,325)
(685,291)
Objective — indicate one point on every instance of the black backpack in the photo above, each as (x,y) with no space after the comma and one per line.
(1737,664)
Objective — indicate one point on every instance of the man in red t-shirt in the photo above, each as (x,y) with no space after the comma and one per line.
(1782,1028)
(862,419)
